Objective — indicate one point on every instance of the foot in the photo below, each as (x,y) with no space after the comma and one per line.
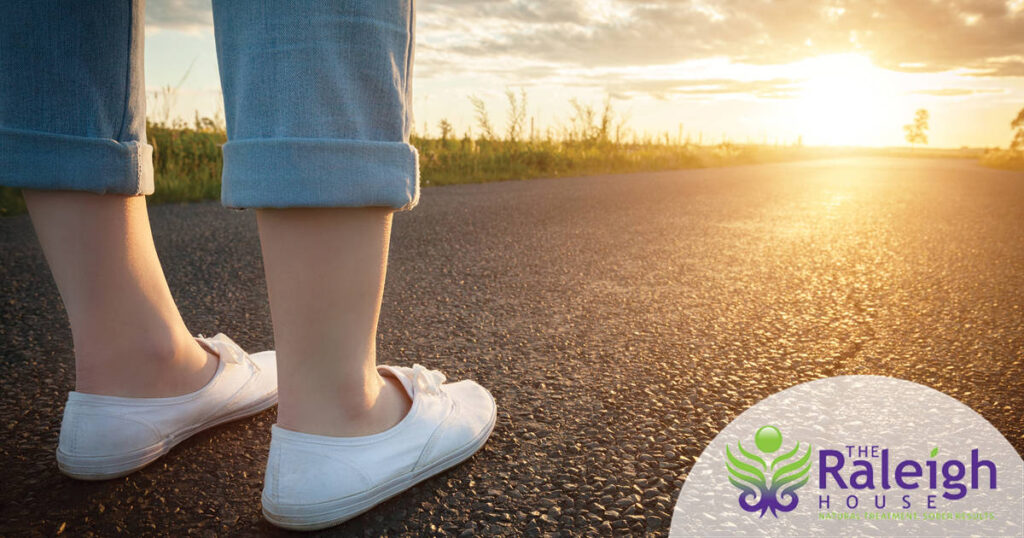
(317,481)
(105,437)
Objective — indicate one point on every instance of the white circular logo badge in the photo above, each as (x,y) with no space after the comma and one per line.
(855,455)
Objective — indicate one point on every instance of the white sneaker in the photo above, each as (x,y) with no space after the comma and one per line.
(110,436)
(317,481)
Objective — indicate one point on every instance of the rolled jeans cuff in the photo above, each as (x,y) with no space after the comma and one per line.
(314,172)
(45,161)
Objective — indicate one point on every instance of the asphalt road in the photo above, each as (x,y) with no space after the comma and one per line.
(620,321)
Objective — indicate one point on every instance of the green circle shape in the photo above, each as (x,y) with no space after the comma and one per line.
(768,439)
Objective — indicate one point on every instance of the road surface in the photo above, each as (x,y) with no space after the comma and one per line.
(620,321)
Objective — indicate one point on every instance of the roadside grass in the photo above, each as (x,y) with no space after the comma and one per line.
(187,158)
(447,162)
(186,161)
(592,140)
(1004,159)
(11,202)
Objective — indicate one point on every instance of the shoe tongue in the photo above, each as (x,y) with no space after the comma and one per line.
(400,376)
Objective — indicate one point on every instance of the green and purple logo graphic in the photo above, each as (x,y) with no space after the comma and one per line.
(768,483)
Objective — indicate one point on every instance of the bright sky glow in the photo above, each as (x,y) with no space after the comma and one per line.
(833,74)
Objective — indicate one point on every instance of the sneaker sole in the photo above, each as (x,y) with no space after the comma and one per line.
(108,467)
(331,513)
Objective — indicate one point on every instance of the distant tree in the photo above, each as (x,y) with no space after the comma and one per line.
(917,132)
(1018,132)
(446,129)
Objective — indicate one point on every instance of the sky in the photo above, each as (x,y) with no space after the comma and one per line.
(829,72)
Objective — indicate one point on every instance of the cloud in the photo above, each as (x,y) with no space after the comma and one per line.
(1001,68)
(179,14)
(776,88)
(928,35)
(905,35)
(571,11)
(595,43)
(958,92)
(911,35)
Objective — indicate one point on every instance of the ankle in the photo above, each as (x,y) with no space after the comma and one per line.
(366,408)
(151,366)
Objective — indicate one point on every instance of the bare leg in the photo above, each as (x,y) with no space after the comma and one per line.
(129,338)
(325,273)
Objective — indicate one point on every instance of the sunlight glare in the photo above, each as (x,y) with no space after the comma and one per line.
(845,100)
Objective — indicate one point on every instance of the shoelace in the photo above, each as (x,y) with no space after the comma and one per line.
(229,351)
(426,380)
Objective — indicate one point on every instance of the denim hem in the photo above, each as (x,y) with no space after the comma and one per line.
(314,172)
(46,161)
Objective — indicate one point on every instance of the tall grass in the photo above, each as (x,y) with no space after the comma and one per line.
(188,164)
(1005,159)
(467,160)
(186,160)
(11,202)
(594,140)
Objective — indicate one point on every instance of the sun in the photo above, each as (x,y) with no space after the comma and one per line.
(844,100)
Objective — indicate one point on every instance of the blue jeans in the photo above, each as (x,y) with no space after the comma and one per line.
(317,98)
